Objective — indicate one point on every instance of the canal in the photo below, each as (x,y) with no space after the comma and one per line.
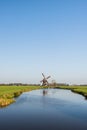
(45,109)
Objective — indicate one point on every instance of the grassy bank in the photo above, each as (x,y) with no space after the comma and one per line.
(7,93)
(77,89)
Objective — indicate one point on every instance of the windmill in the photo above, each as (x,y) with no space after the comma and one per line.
(44,81)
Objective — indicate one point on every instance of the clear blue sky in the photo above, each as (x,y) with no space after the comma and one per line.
(48,36)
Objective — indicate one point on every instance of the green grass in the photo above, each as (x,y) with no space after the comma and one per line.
(10,90)
(7,93)
(77,89)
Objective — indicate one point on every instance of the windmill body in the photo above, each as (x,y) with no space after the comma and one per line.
(44,81)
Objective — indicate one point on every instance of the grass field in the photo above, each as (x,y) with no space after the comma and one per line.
(7,93)
(77,89)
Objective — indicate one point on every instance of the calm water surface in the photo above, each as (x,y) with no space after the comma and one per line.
(49,109)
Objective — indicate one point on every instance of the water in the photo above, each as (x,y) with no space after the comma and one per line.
(49,109)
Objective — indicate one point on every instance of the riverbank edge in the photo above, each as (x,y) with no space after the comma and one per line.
(74,90)
(9,98)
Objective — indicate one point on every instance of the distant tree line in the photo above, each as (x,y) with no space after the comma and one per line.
(18,84)
(58,84)
(83,84)
(25,84)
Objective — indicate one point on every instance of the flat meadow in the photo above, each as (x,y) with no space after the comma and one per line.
(8,93)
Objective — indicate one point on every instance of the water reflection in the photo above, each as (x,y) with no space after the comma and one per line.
(85,97)
(47,109)
(45,92)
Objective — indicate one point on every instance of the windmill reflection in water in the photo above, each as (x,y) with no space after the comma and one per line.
(45,83)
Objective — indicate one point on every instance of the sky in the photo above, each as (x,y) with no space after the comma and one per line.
(43,36)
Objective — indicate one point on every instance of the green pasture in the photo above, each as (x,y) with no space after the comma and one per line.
(8,93)
(78,89)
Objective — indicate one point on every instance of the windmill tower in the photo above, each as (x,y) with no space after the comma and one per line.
(44,81)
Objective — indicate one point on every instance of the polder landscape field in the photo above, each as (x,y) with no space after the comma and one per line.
(8,93)
(77,89)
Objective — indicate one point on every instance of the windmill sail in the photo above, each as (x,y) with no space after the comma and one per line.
(44,81)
